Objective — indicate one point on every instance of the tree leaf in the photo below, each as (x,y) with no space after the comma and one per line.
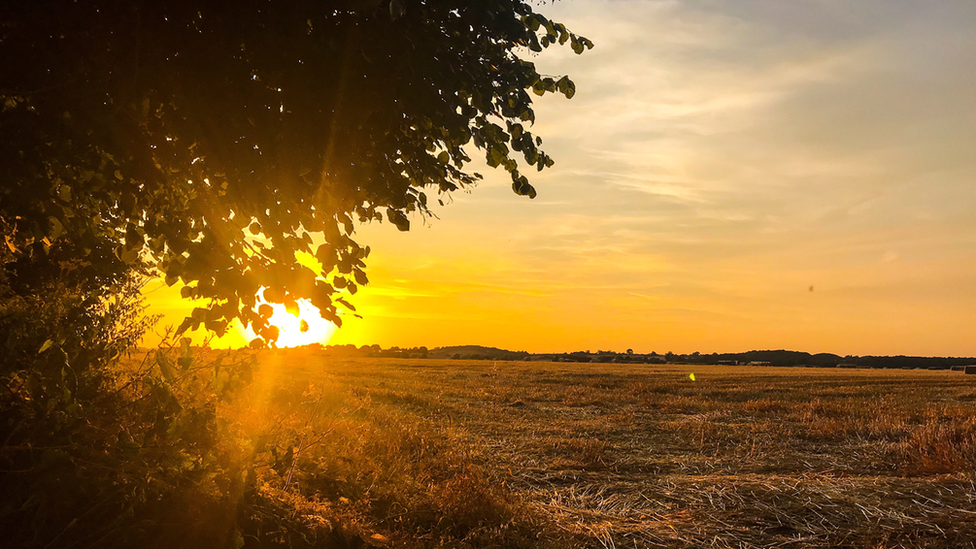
(216,142)
(398,219)
(166,367)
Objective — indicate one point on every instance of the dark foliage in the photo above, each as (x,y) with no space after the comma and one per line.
(217,140)
(210,143)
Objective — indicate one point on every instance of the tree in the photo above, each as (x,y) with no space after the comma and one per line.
(213,142)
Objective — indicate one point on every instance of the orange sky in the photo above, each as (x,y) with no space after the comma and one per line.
(720,159)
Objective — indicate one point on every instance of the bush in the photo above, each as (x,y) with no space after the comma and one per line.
(100,446)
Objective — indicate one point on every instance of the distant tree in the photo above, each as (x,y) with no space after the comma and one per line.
(630,351)
(215,141)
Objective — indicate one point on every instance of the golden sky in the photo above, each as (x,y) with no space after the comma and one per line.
(731,175)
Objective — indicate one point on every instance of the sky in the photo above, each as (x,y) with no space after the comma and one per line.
(731,175)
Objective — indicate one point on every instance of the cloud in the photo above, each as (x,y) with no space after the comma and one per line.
(718,159)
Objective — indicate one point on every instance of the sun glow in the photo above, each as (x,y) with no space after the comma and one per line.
(303,329)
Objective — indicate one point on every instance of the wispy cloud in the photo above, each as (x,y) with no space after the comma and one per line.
(720,157)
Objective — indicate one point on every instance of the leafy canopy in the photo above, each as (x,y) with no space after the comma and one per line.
(214,141)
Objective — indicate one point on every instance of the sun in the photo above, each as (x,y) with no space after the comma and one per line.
(303,329)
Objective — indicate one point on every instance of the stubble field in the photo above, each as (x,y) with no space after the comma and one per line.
(481,453)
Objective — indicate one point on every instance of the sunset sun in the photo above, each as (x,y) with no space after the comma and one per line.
(305,328)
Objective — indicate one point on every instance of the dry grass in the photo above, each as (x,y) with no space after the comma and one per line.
(340,465)
(528,454)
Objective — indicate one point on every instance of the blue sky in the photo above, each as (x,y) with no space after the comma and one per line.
(730,175)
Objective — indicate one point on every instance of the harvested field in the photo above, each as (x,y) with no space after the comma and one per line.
(642,456)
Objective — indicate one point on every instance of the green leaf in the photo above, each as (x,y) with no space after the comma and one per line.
(522,187)
(566,87)
(56,228)
(130,256)
(497,156)
(576,45)
(47,345)
(166,367)
(398,219)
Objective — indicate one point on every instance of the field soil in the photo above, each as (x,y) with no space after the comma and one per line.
(613,455)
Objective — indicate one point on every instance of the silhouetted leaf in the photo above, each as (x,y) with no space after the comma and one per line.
(167,135)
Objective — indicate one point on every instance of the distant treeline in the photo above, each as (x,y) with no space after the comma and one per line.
(797,358)
(465,352)
(372,351)
(754,358)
